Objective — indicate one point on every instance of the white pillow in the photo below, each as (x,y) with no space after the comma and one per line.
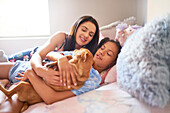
(110,29)
(111,75)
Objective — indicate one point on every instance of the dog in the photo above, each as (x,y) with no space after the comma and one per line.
(82,61)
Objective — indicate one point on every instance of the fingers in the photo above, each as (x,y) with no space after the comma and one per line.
(21,74)
(68,80)
(61,77)
(22,77)
(56,81)
(64,78)
(18,78)
(73,77)
(53,80)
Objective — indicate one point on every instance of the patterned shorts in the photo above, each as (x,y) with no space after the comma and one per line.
(18,67)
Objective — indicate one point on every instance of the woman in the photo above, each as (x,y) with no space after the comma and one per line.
(63,42)
(84,33)
(104,58)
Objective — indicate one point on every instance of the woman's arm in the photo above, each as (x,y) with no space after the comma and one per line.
(39,56)
(48,95)
(66,70)
(50,45)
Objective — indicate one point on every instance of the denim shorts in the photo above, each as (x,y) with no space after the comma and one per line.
(18,67)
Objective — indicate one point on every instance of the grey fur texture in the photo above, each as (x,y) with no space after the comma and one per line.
(143,65)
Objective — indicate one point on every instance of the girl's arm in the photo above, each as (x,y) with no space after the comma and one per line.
(48,95)
(64,65)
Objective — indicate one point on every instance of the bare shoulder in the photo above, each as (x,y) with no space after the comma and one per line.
(58,37)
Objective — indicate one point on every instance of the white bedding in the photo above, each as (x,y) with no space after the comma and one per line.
(106,99)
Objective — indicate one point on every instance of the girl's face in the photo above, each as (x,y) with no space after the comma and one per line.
(105,56)
(85,34)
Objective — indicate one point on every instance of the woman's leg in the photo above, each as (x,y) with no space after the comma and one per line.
(4,69)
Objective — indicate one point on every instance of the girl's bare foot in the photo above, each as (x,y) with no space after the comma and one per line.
(3,82)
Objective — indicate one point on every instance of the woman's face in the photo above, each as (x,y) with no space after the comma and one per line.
(85,34)
(105,56)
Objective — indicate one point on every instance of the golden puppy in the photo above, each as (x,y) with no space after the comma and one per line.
(82,61)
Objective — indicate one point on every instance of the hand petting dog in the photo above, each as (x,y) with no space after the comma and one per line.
(82,62)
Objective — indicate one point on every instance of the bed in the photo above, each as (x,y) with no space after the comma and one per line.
(120,96)
(106,99)
(126,95)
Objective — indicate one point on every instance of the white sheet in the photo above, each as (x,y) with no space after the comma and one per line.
(106,99)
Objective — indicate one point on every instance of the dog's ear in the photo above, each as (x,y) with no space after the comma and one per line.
(69,57)
(84,56)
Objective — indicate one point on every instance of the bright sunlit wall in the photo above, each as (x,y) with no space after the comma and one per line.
(24,18)
(62,15)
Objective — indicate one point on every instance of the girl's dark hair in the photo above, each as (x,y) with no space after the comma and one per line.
(71,41)
(103,41)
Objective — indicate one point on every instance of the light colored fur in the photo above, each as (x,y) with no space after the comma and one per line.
(143,65)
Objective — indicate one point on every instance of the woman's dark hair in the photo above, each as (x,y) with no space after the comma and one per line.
(103,41)
(71,41)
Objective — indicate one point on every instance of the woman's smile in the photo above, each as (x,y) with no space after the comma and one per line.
(83,39)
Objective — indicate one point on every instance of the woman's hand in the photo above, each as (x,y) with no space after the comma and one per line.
(66,70)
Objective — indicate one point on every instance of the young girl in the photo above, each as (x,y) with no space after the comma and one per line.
(104,58)
(80,36)
(123,32)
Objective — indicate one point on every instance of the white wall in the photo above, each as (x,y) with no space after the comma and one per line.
(12,45)
(64,12)
(156,8)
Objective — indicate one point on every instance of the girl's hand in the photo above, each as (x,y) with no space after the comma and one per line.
(52,77)
(22,77)
(66,70)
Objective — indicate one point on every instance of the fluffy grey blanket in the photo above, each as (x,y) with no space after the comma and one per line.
(143,65)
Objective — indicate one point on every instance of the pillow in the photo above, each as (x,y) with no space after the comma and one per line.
(111,75)
(101,37)
(110,29)
(143,65)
